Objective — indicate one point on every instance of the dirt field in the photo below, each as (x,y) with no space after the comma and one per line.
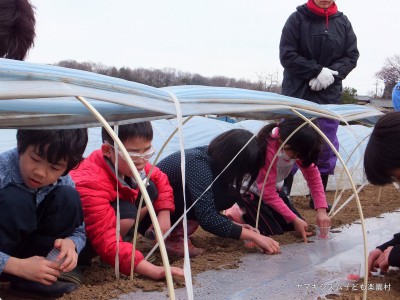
(100,282)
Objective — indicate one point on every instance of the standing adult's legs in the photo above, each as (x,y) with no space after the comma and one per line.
(327,158)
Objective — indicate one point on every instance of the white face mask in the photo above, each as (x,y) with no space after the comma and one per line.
(284,166)
(283,155)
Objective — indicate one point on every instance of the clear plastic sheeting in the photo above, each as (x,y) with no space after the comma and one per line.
(301,271)
(42,96)
(199,131)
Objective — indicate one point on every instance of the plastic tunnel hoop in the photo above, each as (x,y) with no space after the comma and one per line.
(142,189)
(356,197)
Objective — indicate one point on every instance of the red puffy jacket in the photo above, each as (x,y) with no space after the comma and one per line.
(97,185)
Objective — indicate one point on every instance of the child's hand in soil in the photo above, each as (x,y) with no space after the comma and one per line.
(322,218)
(301,226)
(156,272)
(268,245)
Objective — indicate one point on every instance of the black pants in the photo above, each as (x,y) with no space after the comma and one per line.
(270,221)
(127,210)
(26,231)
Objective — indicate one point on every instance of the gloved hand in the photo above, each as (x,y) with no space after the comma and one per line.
(325,77)
(315,84)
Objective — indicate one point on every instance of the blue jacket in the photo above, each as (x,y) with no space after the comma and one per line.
(10,172)
(396,97)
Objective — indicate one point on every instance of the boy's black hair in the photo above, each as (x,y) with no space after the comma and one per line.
(17,28)
(142,130)
(306,142)
(67,144)
(223,149)
(382,154)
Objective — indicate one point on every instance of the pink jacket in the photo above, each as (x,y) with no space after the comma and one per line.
(270,195)
(96,183)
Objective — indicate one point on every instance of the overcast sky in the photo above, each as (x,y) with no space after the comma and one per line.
(234,38)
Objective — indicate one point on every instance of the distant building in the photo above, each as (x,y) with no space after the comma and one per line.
(362,100)
(384,105)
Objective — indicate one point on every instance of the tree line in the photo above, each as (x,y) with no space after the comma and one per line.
(389,74)
(170,77)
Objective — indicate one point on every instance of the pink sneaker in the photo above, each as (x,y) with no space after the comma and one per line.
(175,247)
(174,242)
(235,213)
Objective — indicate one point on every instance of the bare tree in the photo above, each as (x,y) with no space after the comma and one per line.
(390,74)
(200,80)
(73,64)
(268,82)
(220,81)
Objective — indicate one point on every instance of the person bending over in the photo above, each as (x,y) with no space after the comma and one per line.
(211,188)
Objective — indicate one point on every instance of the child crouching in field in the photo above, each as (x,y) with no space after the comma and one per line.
(277,214)
(210,189)
(100,183)
(40,209)
(382,166)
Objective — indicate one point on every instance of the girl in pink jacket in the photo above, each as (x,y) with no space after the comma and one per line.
(277,213)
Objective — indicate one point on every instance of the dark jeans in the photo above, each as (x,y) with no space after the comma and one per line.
(26,231)
(127,210)
(327,158)
(270,221)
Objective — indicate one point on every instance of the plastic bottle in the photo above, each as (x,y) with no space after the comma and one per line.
(53,254)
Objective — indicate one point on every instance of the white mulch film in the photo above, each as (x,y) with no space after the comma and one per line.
(300,272)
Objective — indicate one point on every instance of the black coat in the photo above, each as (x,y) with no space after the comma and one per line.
(307,46)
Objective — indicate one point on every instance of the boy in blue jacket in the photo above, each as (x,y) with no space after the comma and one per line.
(40,210)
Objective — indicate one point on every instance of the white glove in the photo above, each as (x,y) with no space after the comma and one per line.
(315,84)
(325,77)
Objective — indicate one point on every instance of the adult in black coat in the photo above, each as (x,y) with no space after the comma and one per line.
(318,49)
